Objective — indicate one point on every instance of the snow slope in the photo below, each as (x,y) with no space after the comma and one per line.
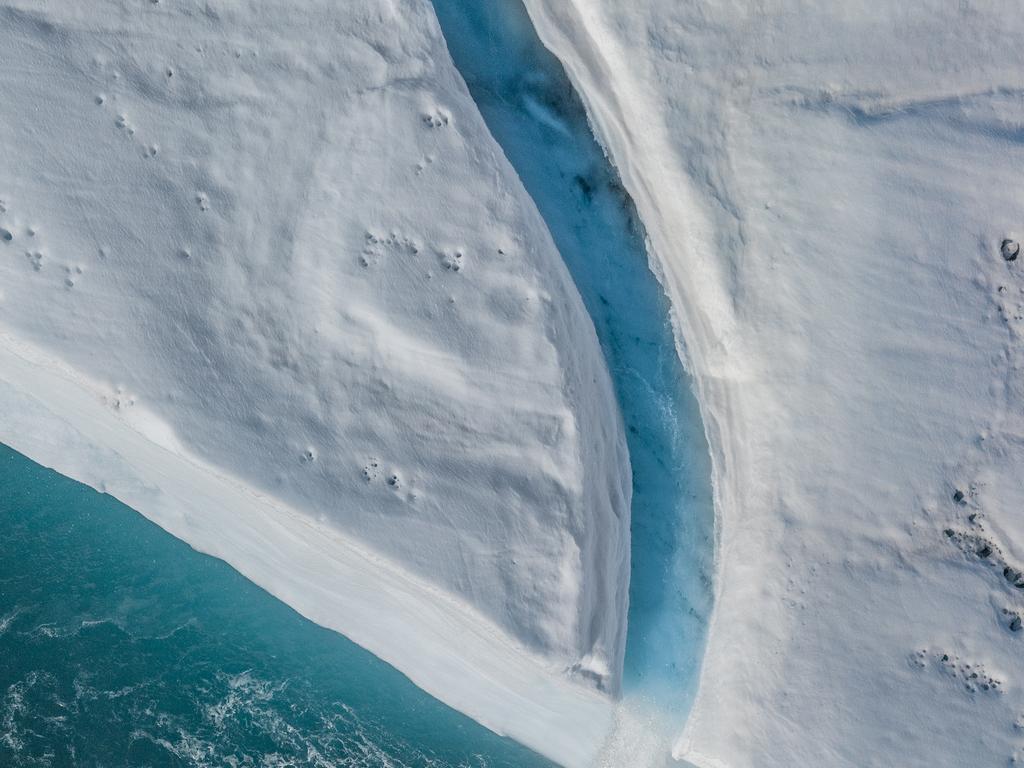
(265,277)
(826,187)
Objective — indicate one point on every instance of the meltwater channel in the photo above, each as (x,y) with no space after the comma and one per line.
(534,113)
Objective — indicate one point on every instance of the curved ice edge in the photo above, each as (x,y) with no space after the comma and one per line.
(563,29)
(324,576)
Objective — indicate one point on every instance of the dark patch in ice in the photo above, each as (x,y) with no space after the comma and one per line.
(452,261)
(585,187)
(370,470)
(436,119)
(1010,249)
(532,110)
(974,676)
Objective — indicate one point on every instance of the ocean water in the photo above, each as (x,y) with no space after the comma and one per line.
(532,110)
(120,645)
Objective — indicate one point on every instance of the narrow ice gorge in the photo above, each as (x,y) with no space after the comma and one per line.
(827,188)
(533,112)
(266,278)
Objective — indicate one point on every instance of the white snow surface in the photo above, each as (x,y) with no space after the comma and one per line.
(266,278)
(826,187)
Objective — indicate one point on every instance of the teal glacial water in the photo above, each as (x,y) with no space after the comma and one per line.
(532,110)
(122,646)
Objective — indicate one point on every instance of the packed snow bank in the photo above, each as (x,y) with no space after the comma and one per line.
(267,279)
(826,190)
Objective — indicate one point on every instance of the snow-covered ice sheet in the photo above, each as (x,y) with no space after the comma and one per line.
(826,187)
(265,277)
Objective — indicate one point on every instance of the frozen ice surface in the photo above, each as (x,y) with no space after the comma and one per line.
(267,279)
(827,188)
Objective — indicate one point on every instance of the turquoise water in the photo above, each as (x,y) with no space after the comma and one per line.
(120,645)
(533,112)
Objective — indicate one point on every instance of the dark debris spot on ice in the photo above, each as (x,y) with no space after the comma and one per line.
(371,470)
(1010,249)
(452,261)
(974,677)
